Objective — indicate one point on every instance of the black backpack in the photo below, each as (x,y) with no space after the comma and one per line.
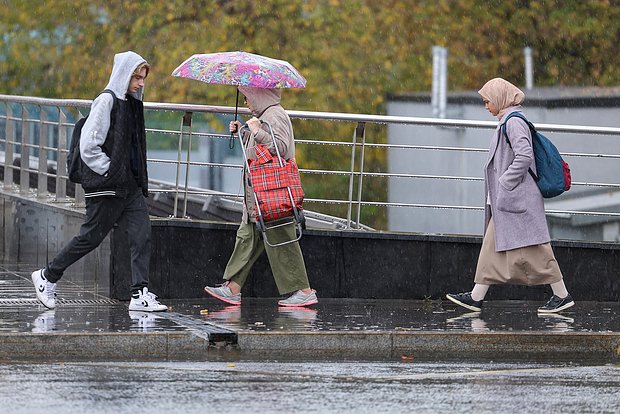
(74,160)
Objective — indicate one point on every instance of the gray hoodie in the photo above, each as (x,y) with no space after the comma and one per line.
(96,127)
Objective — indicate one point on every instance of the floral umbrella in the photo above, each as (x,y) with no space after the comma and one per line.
(241,69)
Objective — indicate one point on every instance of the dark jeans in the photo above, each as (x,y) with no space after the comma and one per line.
(101,215)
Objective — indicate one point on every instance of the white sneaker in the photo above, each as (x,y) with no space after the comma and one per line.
(300,298)
(224,294)
(146,302)
(46,291)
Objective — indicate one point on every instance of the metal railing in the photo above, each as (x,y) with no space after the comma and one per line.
(40,128)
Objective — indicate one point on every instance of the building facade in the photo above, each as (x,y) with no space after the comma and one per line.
(563,106)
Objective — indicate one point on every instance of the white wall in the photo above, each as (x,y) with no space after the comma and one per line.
(469,164)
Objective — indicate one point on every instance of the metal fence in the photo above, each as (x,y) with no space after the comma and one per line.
(39,130)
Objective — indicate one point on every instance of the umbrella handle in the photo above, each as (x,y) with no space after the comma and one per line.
(231,142)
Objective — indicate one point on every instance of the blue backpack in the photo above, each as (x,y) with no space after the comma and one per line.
(553,176)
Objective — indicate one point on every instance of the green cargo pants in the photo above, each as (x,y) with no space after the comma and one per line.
(287,262)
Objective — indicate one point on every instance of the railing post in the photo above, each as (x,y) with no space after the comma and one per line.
(43,137)
(24,163)
(9,147)
(360,130)
(187,121)
(351,178)
(79,199)
(359,133)
(61,164)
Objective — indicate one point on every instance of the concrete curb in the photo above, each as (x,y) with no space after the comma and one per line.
(109,346)
(187,345)
(434,345)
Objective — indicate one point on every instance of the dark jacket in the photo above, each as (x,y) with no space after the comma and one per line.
(113,138)
(125,144)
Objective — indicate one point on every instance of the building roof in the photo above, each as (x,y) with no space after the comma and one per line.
(548,97)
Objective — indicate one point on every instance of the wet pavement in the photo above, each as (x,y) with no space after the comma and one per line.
(310,387)
(361,356)
(89,327)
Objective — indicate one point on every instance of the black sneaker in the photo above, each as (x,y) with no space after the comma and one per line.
(556,304)
(464,299)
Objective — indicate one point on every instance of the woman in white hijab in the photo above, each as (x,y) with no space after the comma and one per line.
(515,248)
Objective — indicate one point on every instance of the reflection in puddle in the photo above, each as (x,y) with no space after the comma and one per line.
(306,315)
(557,323)
(230,314)
(45,322)
(144,321)
(471,320)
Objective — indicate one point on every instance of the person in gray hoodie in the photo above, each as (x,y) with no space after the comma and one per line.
(287,262)
(115,182)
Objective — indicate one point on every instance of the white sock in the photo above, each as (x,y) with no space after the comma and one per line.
(479,292)
(559,289)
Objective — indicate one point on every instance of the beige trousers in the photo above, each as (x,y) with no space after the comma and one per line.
(531,265)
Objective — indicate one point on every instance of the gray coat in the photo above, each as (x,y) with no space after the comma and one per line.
(516,203)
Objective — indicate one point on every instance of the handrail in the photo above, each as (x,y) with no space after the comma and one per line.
(355,172)
(334,116)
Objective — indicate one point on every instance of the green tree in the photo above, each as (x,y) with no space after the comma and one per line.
(352,52)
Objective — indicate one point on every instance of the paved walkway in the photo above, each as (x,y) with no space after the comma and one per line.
(88,327)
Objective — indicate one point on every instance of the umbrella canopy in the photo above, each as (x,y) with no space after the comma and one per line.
(241,69)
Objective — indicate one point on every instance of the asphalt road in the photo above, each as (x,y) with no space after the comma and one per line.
(402,386)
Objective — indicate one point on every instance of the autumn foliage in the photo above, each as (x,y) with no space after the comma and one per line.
(352,52)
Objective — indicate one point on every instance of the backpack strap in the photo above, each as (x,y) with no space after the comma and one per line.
(532,130)
(111,92)
(114,98)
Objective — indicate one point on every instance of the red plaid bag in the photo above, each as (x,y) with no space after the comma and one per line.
(271,182)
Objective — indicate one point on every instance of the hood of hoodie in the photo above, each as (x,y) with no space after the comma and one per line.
(124,65)
(260,98)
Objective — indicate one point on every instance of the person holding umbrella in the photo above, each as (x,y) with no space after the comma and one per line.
(286,261)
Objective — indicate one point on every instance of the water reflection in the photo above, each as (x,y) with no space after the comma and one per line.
(263,318)
(230,315)
(557,323)
(144,321)
(329,315)
(304,315)
(471,320)
(296,318)
(45,322)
